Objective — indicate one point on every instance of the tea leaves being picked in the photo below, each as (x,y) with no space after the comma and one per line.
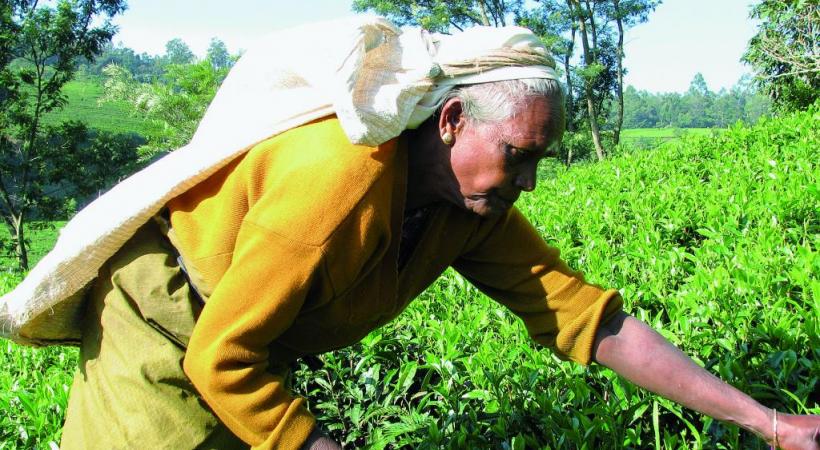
(712,240)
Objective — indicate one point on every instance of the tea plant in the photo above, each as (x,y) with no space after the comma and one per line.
(713,240)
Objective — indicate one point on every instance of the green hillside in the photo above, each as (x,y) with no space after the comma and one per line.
(83,105)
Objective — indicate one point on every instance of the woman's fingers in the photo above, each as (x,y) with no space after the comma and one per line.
(798,432)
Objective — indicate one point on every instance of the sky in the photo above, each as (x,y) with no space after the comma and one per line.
(681,38)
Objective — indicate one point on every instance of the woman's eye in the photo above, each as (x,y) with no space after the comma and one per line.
(513,154)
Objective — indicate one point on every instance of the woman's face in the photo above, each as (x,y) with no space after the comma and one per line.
(492,163)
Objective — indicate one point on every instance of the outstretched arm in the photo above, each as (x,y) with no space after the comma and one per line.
(642,356)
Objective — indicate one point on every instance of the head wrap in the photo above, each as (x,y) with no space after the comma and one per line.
(483,55)
(378,79)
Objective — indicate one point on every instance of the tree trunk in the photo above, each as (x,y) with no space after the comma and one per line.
(570,100)
(620,121)
(484,19)
(590,12)
(20,242)
(499,9)
(593,115)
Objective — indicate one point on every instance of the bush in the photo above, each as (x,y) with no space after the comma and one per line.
(711,239)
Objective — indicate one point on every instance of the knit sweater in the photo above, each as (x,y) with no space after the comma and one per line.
(295,245)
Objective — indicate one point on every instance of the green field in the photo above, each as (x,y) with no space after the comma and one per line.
(83,104)
(41,237)
(711,239)
(657,135)
(663,133)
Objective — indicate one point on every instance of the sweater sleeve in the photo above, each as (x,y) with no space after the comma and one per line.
(511,263)
(257,299)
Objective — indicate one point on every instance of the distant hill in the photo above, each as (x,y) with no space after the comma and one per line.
(83,96)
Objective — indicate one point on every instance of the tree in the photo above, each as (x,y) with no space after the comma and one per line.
(697,107)
(40,47)
(82,163)
(218,55)
(626,13)
(175,103)
(178,52)
(143,66)
(551,22)
(440,15)
(698,101)
(559,23)
(785,52)
(591,68)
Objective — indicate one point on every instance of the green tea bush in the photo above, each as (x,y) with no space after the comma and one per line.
(713,240)
(34,385)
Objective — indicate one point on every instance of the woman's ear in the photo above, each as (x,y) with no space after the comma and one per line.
(451,120)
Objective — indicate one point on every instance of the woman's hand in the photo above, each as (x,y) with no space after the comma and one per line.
(798,432)
(644,357)
(319,441)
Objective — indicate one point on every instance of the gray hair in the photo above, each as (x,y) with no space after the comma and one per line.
(499,100)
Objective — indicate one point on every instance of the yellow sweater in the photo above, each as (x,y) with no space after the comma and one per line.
(295,246)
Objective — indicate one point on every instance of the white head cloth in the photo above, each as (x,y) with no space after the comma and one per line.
(378,79)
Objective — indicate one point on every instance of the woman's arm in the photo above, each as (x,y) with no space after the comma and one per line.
(635,351)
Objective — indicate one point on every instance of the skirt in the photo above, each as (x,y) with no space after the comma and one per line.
(129,390)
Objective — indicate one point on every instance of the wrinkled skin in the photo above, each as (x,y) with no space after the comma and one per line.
(492,163)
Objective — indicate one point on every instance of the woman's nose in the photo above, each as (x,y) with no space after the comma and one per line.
(525,180)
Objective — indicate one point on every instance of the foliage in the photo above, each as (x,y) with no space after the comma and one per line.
(174,104)
(41,238)
(712,239)
(34,383)
(144,67)
(576,146)
(219,56)
(625,13)
(83,104)
(440,15)
(602,74)
(178,53)
(33,413)
(147,68)
(75,164)
(649,138)
(631,12)
(83,163)
(785,52)
(697,108)
(599,71)
(39,50)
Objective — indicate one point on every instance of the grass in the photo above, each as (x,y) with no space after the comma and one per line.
(711,239)
(83,104)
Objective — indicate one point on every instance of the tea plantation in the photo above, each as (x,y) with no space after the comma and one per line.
(712,239)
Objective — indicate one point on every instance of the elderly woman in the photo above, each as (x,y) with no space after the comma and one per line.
(306,242)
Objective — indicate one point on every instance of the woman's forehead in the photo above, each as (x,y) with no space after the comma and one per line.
(535,124)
